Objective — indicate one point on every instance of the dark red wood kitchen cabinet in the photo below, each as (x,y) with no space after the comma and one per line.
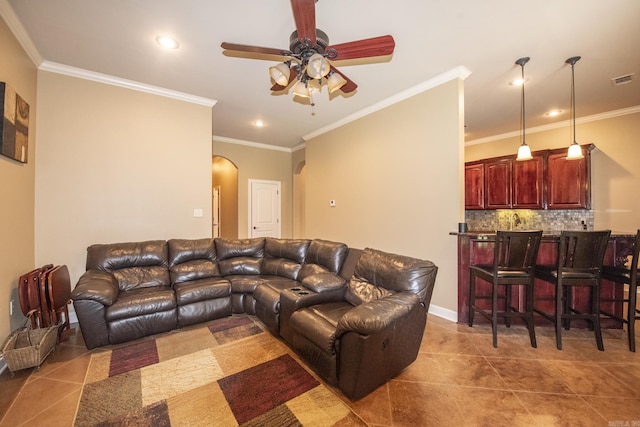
(474,186)
(497,184)
(568,181)
(527,190)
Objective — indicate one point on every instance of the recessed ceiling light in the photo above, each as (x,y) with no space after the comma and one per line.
(259,123)
(167,42)
(553,113)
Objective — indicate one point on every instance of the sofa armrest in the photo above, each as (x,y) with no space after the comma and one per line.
(322,282)
(374,316)
(96,285)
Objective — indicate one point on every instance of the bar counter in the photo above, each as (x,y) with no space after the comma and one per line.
(476,247)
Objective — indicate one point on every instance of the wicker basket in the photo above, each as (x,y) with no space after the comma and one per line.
(27,348)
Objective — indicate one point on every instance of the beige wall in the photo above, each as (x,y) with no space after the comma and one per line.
(396,178)
(263,164)
(615,173)
(18,186)
(299,185)
(117,165)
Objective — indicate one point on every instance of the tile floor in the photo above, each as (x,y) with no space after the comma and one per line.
(459,379)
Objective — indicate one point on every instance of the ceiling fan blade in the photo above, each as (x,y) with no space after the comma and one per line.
(350,86)
(254,49)
(292,77)
(376,46)
(304,13)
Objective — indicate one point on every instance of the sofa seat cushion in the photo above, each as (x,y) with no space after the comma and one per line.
(244,284)
(318,323)
(268,293)
(201,290)
(141,301)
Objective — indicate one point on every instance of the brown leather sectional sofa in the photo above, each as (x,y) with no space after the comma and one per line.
(355,316)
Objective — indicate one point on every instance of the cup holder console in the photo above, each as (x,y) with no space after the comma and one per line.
(295,289)
(299,291)
(303,293)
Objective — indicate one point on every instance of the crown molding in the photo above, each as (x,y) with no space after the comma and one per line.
(16,27)
(558,125)
(251,144)
(299,147)
(124,83)
(459,72)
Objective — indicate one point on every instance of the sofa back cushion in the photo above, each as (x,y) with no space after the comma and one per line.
(284,257)
(192,259)
(328,254)
(378,274)
(240,256)
(133,264)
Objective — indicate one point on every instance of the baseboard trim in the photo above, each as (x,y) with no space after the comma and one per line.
(444,313)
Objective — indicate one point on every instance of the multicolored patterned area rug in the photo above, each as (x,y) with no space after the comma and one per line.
(227,373)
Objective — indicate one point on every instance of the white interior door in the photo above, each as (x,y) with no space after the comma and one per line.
(264,208)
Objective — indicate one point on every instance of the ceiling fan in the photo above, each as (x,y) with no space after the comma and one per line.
(307,61)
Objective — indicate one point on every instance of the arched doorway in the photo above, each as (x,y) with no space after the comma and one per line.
(224,175)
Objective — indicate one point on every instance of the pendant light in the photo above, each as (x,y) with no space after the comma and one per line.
(524,152)
(575,151)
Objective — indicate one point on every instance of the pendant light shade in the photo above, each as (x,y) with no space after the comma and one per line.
(524,152)
(575,151)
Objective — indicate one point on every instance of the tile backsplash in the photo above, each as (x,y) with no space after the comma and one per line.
(526,219)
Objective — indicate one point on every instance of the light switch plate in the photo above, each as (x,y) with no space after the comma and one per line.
(197,213)
(332,203)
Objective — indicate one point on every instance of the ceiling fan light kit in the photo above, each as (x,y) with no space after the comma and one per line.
(306,66)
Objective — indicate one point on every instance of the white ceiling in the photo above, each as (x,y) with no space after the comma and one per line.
(432,37)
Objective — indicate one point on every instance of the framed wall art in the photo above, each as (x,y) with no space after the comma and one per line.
(14,124)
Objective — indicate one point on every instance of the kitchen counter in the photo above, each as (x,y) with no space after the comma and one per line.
(476,247)
(482,234)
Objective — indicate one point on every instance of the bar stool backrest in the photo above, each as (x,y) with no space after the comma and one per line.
(516,250)
(635,259)
(582,251)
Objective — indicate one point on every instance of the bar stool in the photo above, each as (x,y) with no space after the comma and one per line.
(580,258)
(514,259)
(626,276)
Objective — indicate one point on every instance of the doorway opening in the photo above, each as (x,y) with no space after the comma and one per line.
(224,174)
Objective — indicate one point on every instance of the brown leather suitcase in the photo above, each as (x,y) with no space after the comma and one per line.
(29,294)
